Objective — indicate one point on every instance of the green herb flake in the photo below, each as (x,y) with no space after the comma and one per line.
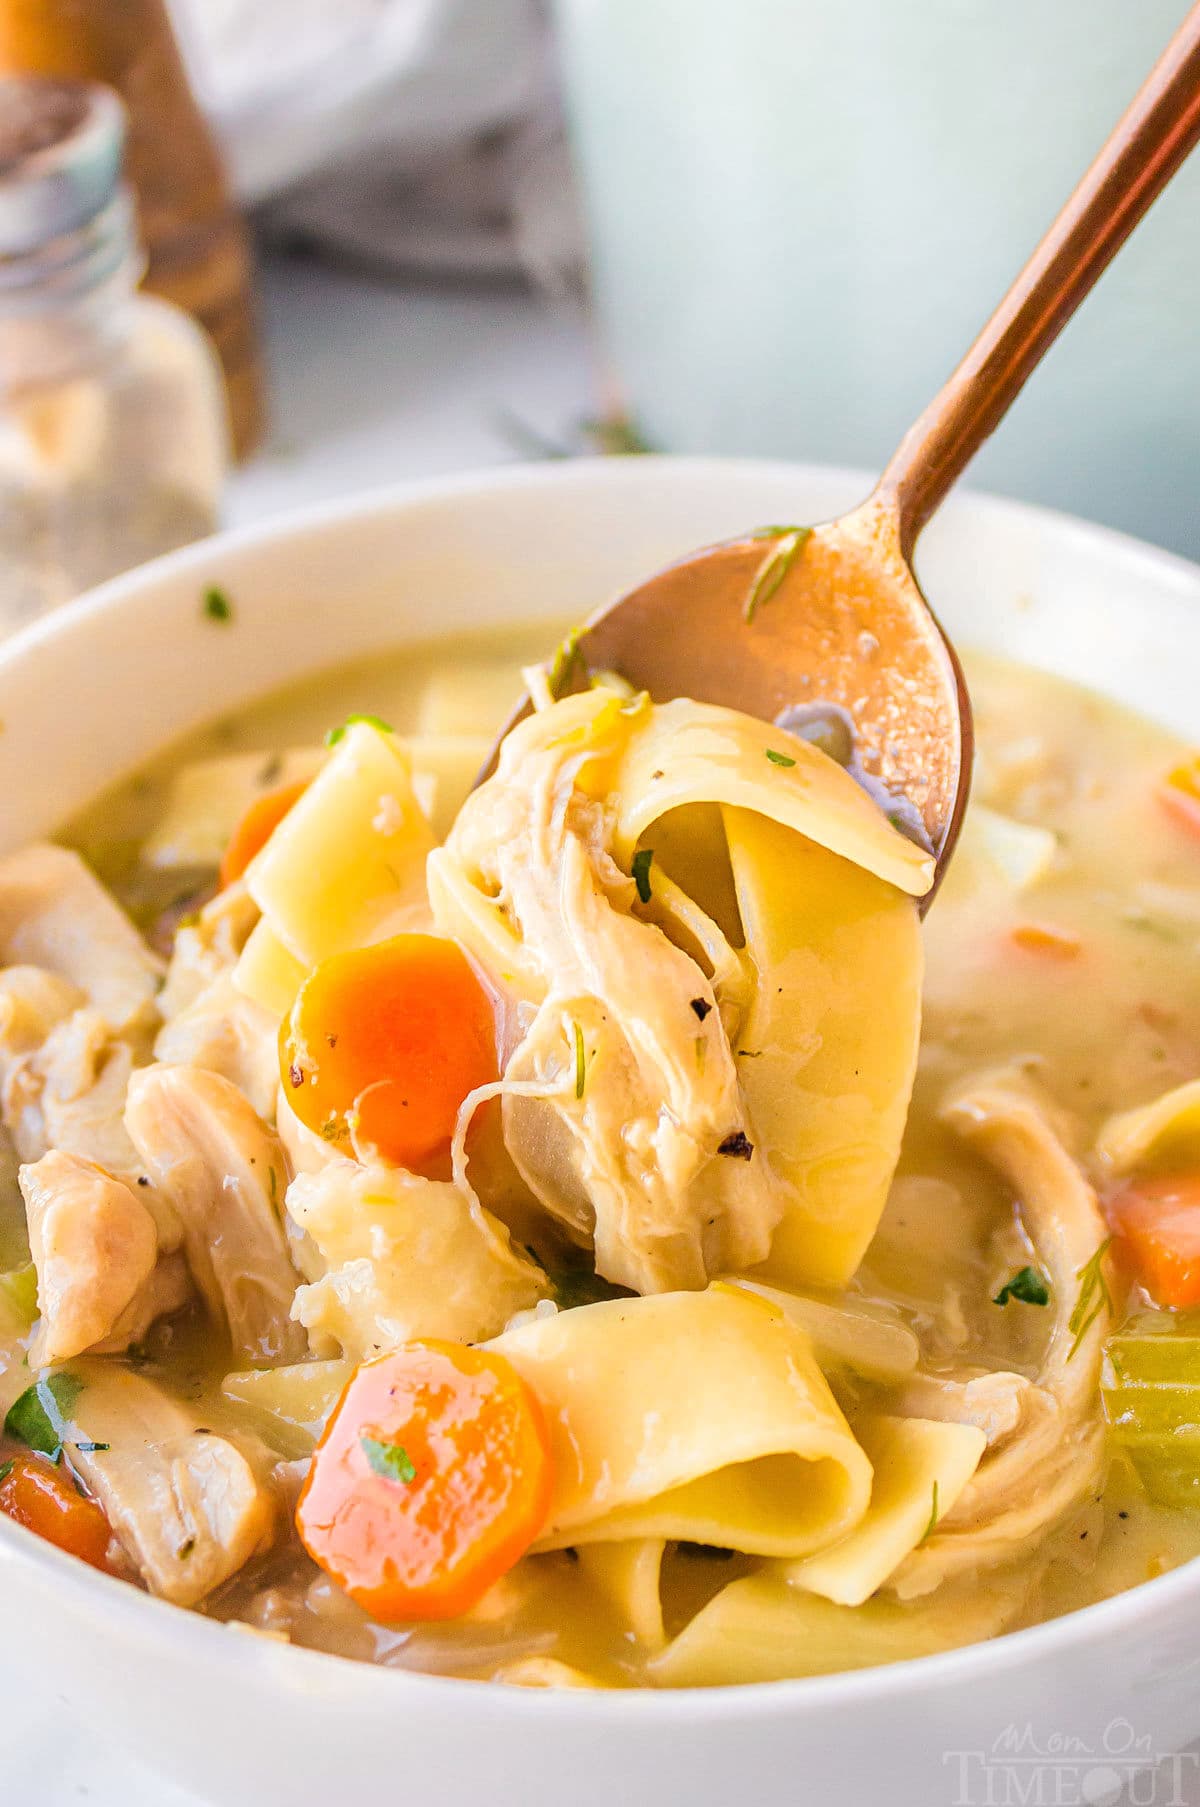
(576,1286)
(1094,1297)
(580,1059)
(779,758)
(789,543)
(39,1417)
(216,604)
(933,1517)
(642,861)
(371,721)
(6,1469)
(92,1449)
(389,1459)
(1027,1286)
(568,661)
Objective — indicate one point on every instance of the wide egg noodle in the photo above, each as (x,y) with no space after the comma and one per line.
(346,866)
(687,752)
(920,1469)
(762,1629)
(700,1416)
(828,1049)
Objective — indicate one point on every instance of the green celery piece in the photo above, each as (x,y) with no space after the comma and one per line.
(1155,1360)
(1150,1385)
(1153,1409)
(19,1287)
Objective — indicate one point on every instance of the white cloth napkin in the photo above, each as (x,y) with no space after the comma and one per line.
(420,133)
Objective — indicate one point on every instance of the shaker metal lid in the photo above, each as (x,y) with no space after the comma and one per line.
(61,148)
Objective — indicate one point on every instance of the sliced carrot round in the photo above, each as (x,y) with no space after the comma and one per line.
(432,1479)
(1157,1224)
(42,1497)
(387,1041)
(256,828)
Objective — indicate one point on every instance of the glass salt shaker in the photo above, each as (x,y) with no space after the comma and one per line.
(113,425)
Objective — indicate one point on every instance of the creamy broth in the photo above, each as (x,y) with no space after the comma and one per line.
(1086,980)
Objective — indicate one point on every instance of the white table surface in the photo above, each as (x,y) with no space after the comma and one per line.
(378,380)
(373,381)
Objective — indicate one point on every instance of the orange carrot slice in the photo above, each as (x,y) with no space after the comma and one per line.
(1051,943)
(1157,1224)
(1179,793)
(387,1041)
(432,1479)
(256,828)
(40,1495)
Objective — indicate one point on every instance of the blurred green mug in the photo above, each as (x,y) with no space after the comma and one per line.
(801,212)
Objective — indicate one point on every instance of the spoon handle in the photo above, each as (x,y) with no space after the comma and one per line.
(1151,140)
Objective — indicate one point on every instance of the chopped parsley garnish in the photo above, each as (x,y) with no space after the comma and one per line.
(38,1418)
(216,604)
(580,1059)
(789,544)
(738,1145)
(779,758)
(372,721)
(1094,1297)
(6,1469)
(702,1007)
(575,1286)
(389,1459)
(567,662)
(933,1516)
(1027,1286)
(642,861)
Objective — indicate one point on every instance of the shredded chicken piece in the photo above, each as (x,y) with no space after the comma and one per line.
(622,1092)
(63,1077)
(55,913)
(224,1031)
(168,1289)
(992,1400)
(406,1257)
(208,948)
(186,1505)
(94,1245)
(224,1171)
(69,1094)
(1048,1449)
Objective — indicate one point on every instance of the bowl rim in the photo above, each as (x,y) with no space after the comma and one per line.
(257,1655)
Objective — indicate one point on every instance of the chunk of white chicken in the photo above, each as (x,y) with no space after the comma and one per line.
(1046,1438)
(406,1257)
(70,1094)
(224,1031)
(94,1245)
(167,1290)
(208,948)
(55,913)
(63,1076)
(224,1171)
(622,1107)
(186,1505)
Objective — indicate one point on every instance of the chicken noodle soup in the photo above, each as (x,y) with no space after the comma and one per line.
(585,1232)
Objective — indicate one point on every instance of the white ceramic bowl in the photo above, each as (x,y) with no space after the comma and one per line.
(244,1721)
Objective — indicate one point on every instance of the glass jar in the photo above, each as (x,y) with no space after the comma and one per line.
(113,427)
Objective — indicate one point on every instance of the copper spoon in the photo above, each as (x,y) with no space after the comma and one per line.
(833,612)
